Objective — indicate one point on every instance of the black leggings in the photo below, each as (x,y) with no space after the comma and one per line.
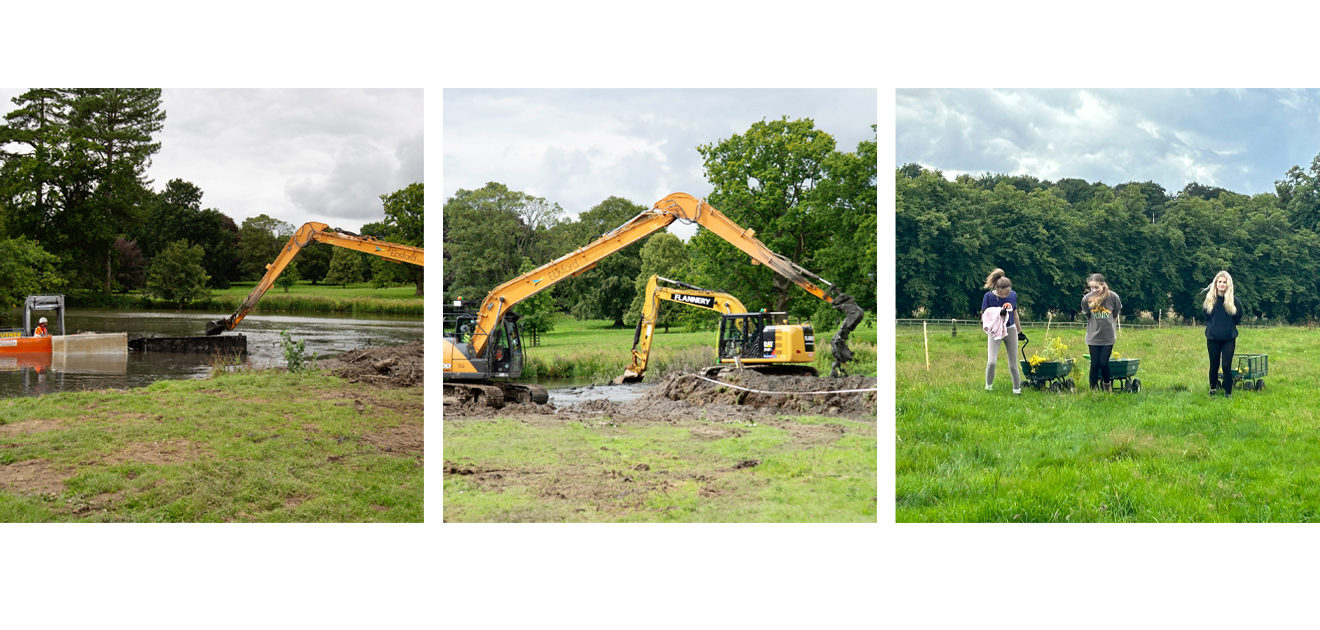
(1100,364)
(1221,349)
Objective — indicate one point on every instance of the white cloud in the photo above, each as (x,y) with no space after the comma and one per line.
(297,155)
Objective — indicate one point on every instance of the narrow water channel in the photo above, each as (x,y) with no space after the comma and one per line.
(322,335)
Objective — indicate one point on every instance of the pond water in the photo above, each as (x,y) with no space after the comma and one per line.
(323,335)
(567,396)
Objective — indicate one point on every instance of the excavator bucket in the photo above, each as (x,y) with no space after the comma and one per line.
(628,377)
(217,326)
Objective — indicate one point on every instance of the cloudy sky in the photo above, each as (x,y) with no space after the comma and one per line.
(578,147)
(1242,139)
(297,155)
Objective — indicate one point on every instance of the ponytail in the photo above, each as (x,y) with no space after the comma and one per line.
(992,281)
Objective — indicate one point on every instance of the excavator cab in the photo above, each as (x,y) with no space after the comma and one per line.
(503,356)
(767,341)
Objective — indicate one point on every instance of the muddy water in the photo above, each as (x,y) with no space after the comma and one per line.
(323,335)
(564,397)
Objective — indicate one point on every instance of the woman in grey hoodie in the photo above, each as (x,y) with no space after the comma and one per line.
(1102,308)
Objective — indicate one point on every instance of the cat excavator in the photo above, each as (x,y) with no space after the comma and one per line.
(313,231)
(762,341)
(481,346)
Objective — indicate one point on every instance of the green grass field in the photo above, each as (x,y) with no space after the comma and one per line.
(265,446)
(1168,453)
(302,296)
(592,350)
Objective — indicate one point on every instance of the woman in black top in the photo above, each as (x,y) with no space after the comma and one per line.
(1222,314)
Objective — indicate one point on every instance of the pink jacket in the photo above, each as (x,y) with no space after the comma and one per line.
(993,323)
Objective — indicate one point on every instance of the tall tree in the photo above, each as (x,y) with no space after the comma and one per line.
(485,238)
(606,290)
(765,180)
(113,131)
(31,141)
(260,240)
(404,224)
(848,213)
(345,267)
(663,255)
(25,269)
(177,275)
(76,178)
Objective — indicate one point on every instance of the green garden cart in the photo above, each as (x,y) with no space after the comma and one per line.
(1250,371)
(1124,373)
(1050,375)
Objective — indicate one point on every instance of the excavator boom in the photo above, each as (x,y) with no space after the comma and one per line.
(313,231)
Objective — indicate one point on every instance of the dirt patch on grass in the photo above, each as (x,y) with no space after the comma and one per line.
(33,476)
(158,452)
(405,439)
(30,426)
(605,489)
(394,366)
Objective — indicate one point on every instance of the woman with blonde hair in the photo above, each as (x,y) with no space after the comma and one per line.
(999,319)
(1102,308)
(1222,314)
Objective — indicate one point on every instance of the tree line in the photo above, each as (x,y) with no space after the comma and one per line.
(78,215)
(1157,250)
(784,178)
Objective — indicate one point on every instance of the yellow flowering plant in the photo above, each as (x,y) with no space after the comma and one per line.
(1055,351)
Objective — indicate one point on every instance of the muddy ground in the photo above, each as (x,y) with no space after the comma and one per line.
(649,482)
(688,395)
(394,366)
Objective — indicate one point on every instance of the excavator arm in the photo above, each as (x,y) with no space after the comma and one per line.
(674,207)
(313,231)
(684,293)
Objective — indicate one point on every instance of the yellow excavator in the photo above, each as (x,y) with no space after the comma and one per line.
(481,345)
(313,231)
(761,341)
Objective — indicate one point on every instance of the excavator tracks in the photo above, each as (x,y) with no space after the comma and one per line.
(495,395)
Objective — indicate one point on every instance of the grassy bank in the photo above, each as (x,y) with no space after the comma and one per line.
(249,446)
(546,469)
(1167,453)
(592,350)
(302,297)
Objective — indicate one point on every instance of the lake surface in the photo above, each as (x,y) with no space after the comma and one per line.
(323,335)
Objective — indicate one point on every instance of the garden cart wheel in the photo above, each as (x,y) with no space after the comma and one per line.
(1136,385)
(1056,387)
(1071,385)
(1260,384)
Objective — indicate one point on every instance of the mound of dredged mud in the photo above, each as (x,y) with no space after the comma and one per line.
(788,394)
(393,366)
(684,395)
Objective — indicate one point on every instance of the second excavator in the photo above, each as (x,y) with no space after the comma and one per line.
(763,341)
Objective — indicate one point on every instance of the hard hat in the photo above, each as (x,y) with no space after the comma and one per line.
(41,321)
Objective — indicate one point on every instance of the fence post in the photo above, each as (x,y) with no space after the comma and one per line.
(954,323)
(926,336)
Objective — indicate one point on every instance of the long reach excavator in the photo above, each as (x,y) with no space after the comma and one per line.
(313,231)
(481,345)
